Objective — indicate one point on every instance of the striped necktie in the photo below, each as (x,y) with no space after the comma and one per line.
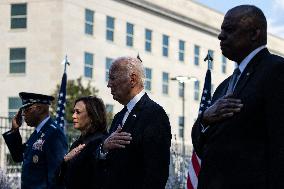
(233,81)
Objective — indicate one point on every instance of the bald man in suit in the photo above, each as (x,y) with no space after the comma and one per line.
(240,137)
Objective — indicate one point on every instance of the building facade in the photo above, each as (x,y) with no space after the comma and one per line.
(172,38)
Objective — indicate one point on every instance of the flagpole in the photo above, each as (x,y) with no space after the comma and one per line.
(205,102)
(60,111)
(65,63)
(209,60)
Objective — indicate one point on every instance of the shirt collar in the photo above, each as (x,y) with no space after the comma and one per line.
(249,57)
(38,128)
(134,100)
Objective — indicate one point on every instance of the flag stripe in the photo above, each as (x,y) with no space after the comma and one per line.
(193,180)
(189,184)
(195,162)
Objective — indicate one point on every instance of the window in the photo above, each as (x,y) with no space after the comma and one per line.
(196,55)
(181,50)
(196,90)
(148,40)
(165,87)
(89,21)
(224,64)
(18,15)
(181,126)
(110,28)
(148,79)
(108,64)
(89,61)
(180,89)
(129,34)
(165,47)
(14,103)
(17,60)
(211,52)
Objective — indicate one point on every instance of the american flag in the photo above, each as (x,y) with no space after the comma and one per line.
(194,165)
(60,111)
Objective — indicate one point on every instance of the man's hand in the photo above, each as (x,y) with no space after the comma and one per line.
(17,120)
(223,108)
(117,139)
(74,152)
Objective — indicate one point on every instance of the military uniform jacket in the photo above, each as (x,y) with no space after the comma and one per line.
(41,155)
(247,150)
(144,163)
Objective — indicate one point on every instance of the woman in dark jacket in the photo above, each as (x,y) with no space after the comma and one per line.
(80,168)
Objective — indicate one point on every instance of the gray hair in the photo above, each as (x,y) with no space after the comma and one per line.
(132,65)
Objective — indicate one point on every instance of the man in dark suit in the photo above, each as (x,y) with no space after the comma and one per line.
(240,138)
(137,153)
(44,150)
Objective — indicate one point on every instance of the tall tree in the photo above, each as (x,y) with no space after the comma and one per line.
(74,90)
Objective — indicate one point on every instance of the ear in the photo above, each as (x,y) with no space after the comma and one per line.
(255,34)
(133,80)
(39,109)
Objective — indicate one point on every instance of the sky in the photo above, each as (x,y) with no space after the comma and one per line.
(273,10)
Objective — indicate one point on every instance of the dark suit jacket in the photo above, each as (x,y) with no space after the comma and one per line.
(247,150)
(41,155)
(84,170)
(144,163)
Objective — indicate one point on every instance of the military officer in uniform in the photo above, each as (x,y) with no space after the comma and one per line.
(44,150)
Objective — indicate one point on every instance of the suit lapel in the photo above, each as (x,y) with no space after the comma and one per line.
(249,71)
(134,114)
(243,81)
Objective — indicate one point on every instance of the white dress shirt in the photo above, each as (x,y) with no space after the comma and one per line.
(131,105)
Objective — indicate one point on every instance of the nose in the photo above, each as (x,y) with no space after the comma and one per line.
(22,113)
(108,84)
(221,36)
(73,116)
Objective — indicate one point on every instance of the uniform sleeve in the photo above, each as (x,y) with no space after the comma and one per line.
(56,148)
(156,147)
(13,140)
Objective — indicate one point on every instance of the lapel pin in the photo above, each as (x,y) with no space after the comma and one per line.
(134,115)
(35,158)
(248,74)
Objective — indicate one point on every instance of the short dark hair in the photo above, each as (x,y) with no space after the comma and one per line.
(96,110)
(256,18)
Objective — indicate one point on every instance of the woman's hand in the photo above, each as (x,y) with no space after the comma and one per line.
(74,152)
